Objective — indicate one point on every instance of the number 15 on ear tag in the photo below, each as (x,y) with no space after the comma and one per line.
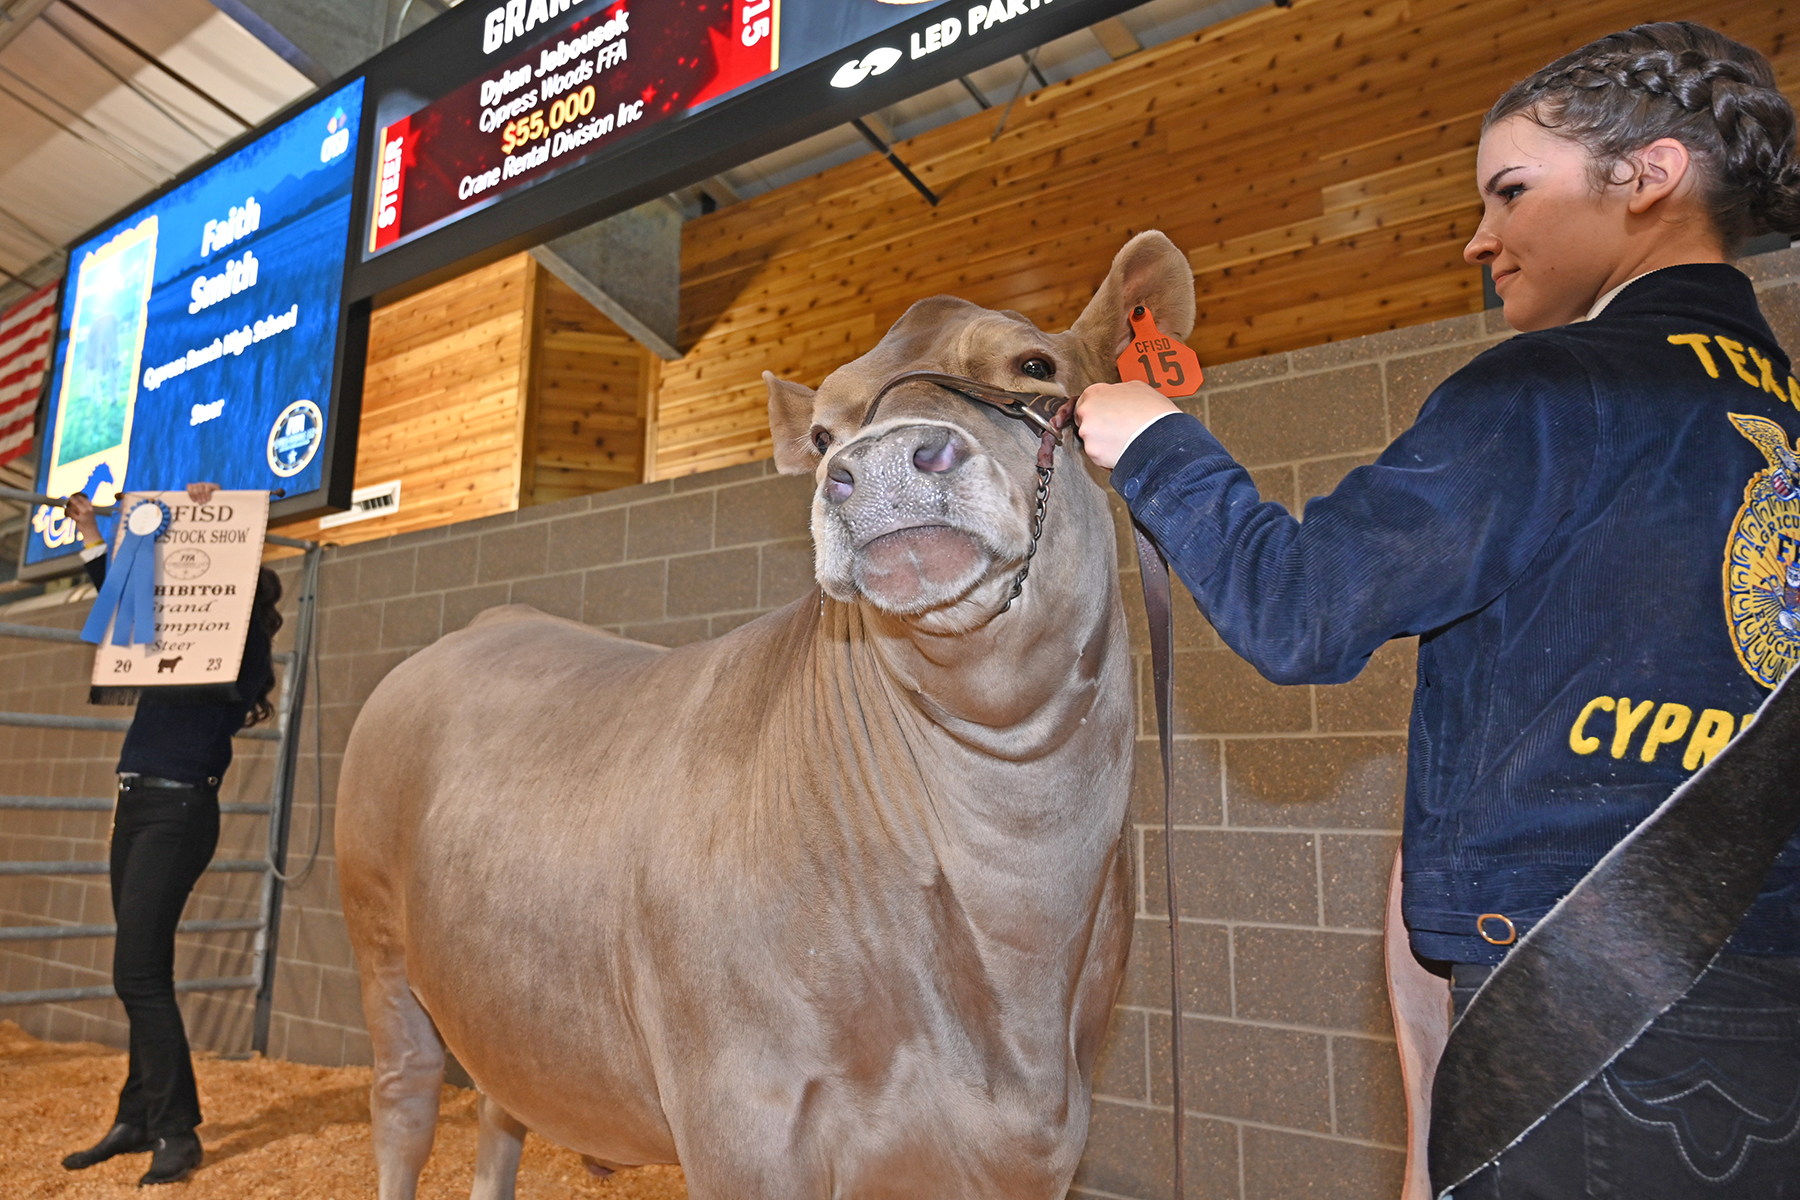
(1158,359)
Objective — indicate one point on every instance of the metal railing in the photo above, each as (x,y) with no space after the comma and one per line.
(266,925)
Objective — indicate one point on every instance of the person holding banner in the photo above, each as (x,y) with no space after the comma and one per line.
(1594,531)
(165,829)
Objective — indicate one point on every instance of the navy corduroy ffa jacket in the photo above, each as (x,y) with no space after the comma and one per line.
(1594,531)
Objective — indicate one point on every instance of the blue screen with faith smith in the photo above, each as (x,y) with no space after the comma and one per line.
(199,334)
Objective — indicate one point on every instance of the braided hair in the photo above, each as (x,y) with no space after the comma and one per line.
(1676,79)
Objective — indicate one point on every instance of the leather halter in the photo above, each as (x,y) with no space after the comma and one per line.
(1051,415)
(1037,408)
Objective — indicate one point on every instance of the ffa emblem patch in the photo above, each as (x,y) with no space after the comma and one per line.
(1762,559)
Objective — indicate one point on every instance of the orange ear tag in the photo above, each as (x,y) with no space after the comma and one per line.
(1158,359)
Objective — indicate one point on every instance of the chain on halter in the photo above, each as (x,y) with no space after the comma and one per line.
(1049,413)
(1041,503)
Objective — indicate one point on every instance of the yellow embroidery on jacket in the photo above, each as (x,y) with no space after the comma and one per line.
(1767,370)
(1697,343)
(1734,354)
(1742,359)
(1626,722)
(1579,741)
(1670,723)
(1711,733)
(1762,558)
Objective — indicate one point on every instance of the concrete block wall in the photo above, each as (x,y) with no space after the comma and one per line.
(1289,797)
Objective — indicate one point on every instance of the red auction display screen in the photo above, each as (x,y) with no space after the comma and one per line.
(502,124)
(561,98)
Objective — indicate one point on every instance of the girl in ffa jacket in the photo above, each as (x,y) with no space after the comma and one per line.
(1594,531)
(165,829)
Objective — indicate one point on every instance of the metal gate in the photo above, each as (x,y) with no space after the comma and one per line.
(278,809)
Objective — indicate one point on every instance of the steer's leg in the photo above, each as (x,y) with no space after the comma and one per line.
(497,1150)
(409,1072)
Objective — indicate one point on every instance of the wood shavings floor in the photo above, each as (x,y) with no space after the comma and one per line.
(273,1130)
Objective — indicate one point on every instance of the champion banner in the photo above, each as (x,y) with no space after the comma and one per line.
(27,331)
(196,574)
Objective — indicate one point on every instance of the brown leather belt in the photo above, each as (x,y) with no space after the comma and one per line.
(1050,414)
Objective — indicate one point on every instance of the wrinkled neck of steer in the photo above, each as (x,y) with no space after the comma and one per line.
(1021,729)
(985,775)
(1021,686)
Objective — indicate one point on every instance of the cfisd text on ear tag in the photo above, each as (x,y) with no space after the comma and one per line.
(1158,359)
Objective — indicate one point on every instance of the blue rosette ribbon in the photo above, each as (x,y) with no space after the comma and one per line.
(128,598)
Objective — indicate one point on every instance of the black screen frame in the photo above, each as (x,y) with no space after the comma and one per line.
(350,352)
(760,119)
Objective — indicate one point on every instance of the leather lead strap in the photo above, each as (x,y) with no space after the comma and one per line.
(1154,572)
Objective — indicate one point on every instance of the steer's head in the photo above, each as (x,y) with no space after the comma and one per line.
(926,512)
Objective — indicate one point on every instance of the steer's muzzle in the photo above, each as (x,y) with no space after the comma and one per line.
(912,517)
(931,449)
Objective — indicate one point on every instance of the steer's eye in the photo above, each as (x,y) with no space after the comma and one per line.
(1038,367)
(821,438)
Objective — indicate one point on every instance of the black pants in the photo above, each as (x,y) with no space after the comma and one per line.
(1706,1103)
(162,840)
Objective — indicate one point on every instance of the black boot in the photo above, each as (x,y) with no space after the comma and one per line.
(120,1139)
(173,1159)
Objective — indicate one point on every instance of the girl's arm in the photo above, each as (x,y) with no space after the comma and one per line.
(1452,512)
(81,511)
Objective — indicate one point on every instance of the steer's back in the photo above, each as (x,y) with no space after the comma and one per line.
(516,791)
(469,719)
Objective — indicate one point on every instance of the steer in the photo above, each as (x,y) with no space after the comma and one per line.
(835,905)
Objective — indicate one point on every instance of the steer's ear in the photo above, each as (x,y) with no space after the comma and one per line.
(790,420)
(1149,270)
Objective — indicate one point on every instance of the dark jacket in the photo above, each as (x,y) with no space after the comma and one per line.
(176,736)
(1593,531)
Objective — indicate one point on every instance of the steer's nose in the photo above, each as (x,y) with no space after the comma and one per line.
(887,462)
(938,450)
(839,483)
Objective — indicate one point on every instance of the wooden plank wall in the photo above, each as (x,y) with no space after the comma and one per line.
(496,390)
(591,386)
(446,401)
(1316,162)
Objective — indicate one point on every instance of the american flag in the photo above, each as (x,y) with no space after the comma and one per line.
(27,331)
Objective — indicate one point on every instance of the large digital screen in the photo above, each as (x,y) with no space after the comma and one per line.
(566,82)
(506,123)
(201,335)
